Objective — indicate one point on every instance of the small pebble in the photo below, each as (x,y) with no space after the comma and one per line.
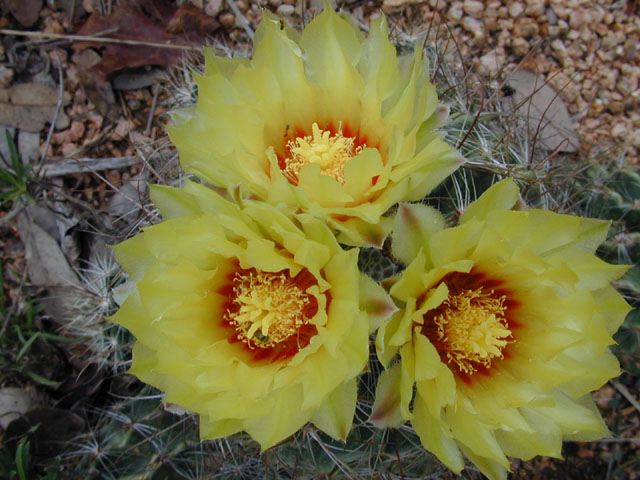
(473,8)
(227,19)
(285,10)
(516,9)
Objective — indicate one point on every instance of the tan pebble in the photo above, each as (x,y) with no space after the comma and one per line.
(608,77)
(616,96)
(473,26)
(574,51)
(490,23)
(492,62)
(627,69)
(558,46)
(573,35)
(525,27)
(590,60)
(285,9)
(597,13)
(619,129)
(601,29)
(455,11)
(608,18)
(597,107)
(561,11)
(626,85)
(227,19)
(213,7)
(473,8)
(534,8)
(609,41)
(586,34)
(580,17)
(76,131)
(6,76)
(553,31)
(592,123)
(506,24)
(563,26)
(616,107)
(632,49)
(69,149)
(520,46)
(516,9)
(52,26)
(581,104)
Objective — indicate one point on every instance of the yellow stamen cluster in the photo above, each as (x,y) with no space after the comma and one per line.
(270,308)
(330,152)
(473,328)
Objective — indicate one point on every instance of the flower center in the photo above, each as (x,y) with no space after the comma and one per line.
(329,151)
(471,328)
(268,307)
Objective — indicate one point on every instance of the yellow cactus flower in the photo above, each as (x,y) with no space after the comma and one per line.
(504,326)
(327,122)
(252,319)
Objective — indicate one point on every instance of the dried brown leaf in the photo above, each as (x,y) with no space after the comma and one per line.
(163,25)
(546,115)
(36,94)
(31,118)
(46,263)
(25,11)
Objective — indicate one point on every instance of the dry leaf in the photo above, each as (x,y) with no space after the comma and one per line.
(31,118)
(547,117)
(46,264)
(49,431)
(182,26)
(25,11)
(13,403)
(32,105)
(36,94)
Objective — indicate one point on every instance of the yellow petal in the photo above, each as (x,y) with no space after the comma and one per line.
(283,420)
(436,437)
(500,196)
(386,408)
(414,223)
(335,415)
(375,302)
(333,49)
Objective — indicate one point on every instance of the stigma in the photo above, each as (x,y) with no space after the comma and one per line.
(471,329)
(330,151)
(268,307)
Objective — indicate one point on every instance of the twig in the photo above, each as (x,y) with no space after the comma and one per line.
(55,115)
(626,394)
(475,120)
(88,38)
(240,16)
(154,103)
(85,165)
(15,210)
